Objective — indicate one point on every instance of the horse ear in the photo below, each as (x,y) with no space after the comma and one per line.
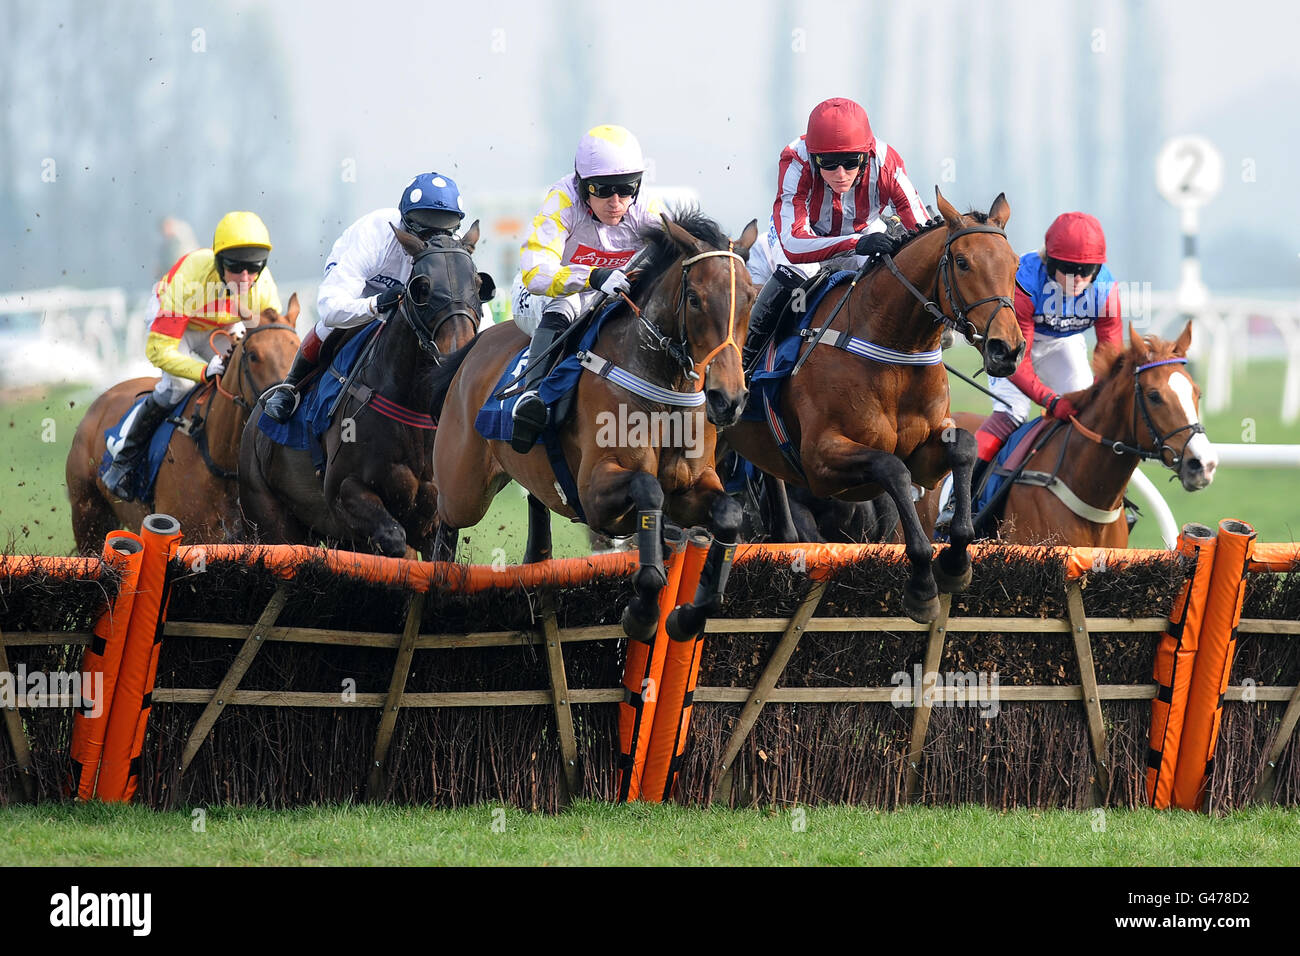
(1184,341)
(291,316)
(1000,211)
(746,240)
(470,239)
(410,243)
(950,215)
(687,243)
(1137,344)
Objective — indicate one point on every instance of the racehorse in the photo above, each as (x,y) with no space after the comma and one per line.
(1143,406)
(678,347)
(378,481)
(196,482)
(872,414)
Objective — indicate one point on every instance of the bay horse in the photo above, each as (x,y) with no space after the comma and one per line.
(872,413)
(377,488)
(1143,406)
(196,483)
(677,357)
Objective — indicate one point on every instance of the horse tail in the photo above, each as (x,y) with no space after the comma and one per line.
(443,375)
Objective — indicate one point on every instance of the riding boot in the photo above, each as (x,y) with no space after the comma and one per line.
(529,415)
(762,319)
(118,477)
(283,400)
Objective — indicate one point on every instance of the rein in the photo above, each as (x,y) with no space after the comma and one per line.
(1161,442)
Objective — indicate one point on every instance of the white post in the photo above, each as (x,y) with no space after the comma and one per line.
(1158,506)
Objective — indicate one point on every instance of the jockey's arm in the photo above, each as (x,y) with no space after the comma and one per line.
(541,256)
(339,300)
(902,194)
(790,212)
(1110,324)
(1024,377)
(163,348)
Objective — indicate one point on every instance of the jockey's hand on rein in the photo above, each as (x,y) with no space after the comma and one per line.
(874,244)
(386,300)
(216,366)
(1062,408)
(609,281)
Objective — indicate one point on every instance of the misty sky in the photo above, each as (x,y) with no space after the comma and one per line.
(1062,105)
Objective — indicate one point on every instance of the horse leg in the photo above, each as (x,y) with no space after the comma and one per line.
(952,572)
(783,527)
(539,532)
(357,507)
(445,540)
(686,622)
(612,491)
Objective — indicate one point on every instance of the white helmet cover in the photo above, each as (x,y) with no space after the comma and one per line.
(608,151)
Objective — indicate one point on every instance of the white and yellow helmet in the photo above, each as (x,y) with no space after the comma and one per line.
(608,151)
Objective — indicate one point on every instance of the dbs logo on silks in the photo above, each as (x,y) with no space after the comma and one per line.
(584,255)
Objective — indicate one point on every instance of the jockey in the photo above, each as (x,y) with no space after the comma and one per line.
(206,290)
(366,272)
(1062,290)
(588,228)
(833,184)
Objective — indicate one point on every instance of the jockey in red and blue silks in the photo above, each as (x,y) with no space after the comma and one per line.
(1061,291)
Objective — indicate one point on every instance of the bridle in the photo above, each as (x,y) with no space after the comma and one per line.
(242,367)
(679,348)
(1161,442)
(418,298)
(959,321)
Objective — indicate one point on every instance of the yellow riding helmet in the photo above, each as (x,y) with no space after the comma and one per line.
(240,229)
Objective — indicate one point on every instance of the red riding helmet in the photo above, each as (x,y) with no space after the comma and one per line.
(838,126)
(1076,237)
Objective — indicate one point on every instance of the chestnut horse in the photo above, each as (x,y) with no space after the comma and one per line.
(871,414)
(378,481)
(1143,406)
(196,483)
(682,342)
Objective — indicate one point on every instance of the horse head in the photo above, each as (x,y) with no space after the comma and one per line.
(1146,393)
(445,294)
(704,310)
(978,272)
(259,357)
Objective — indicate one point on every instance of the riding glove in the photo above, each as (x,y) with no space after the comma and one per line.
(386,300)
(216,366)
(874,244)
(609,281)
(1062,408)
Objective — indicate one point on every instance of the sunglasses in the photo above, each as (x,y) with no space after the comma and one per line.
(1076,268)
(606,190)
(236,268)
(838,160)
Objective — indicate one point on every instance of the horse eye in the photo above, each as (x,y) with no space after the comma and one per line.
(418,288)
(1155,397)
(693,299)
(962,263)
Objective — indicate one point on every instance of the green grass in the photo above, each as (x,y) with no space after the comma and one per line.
(602,834)
(37,429)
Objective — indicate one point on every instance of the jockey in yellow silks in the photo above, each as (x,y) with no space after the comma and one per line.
(206,290)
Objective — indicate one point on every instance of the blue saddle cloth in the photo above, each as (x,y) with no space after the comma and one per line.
(493,421)
(777,361)
(311,420)
(143,477)
(997,475)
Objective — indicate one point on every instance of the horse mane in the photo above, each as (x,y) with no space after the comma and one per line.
(664,251)
(1110,362)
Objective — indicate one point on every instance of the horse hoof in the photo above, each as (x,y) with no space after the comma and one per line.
(948,582)
(922,611)
(638,629)
(673,625)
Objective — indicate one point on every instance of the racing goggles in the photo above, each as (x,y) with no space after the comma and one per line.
(236,267)
(838,160)
(605,190)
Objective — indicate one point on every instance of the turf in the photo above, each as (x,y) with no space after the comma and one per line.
(602,834)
